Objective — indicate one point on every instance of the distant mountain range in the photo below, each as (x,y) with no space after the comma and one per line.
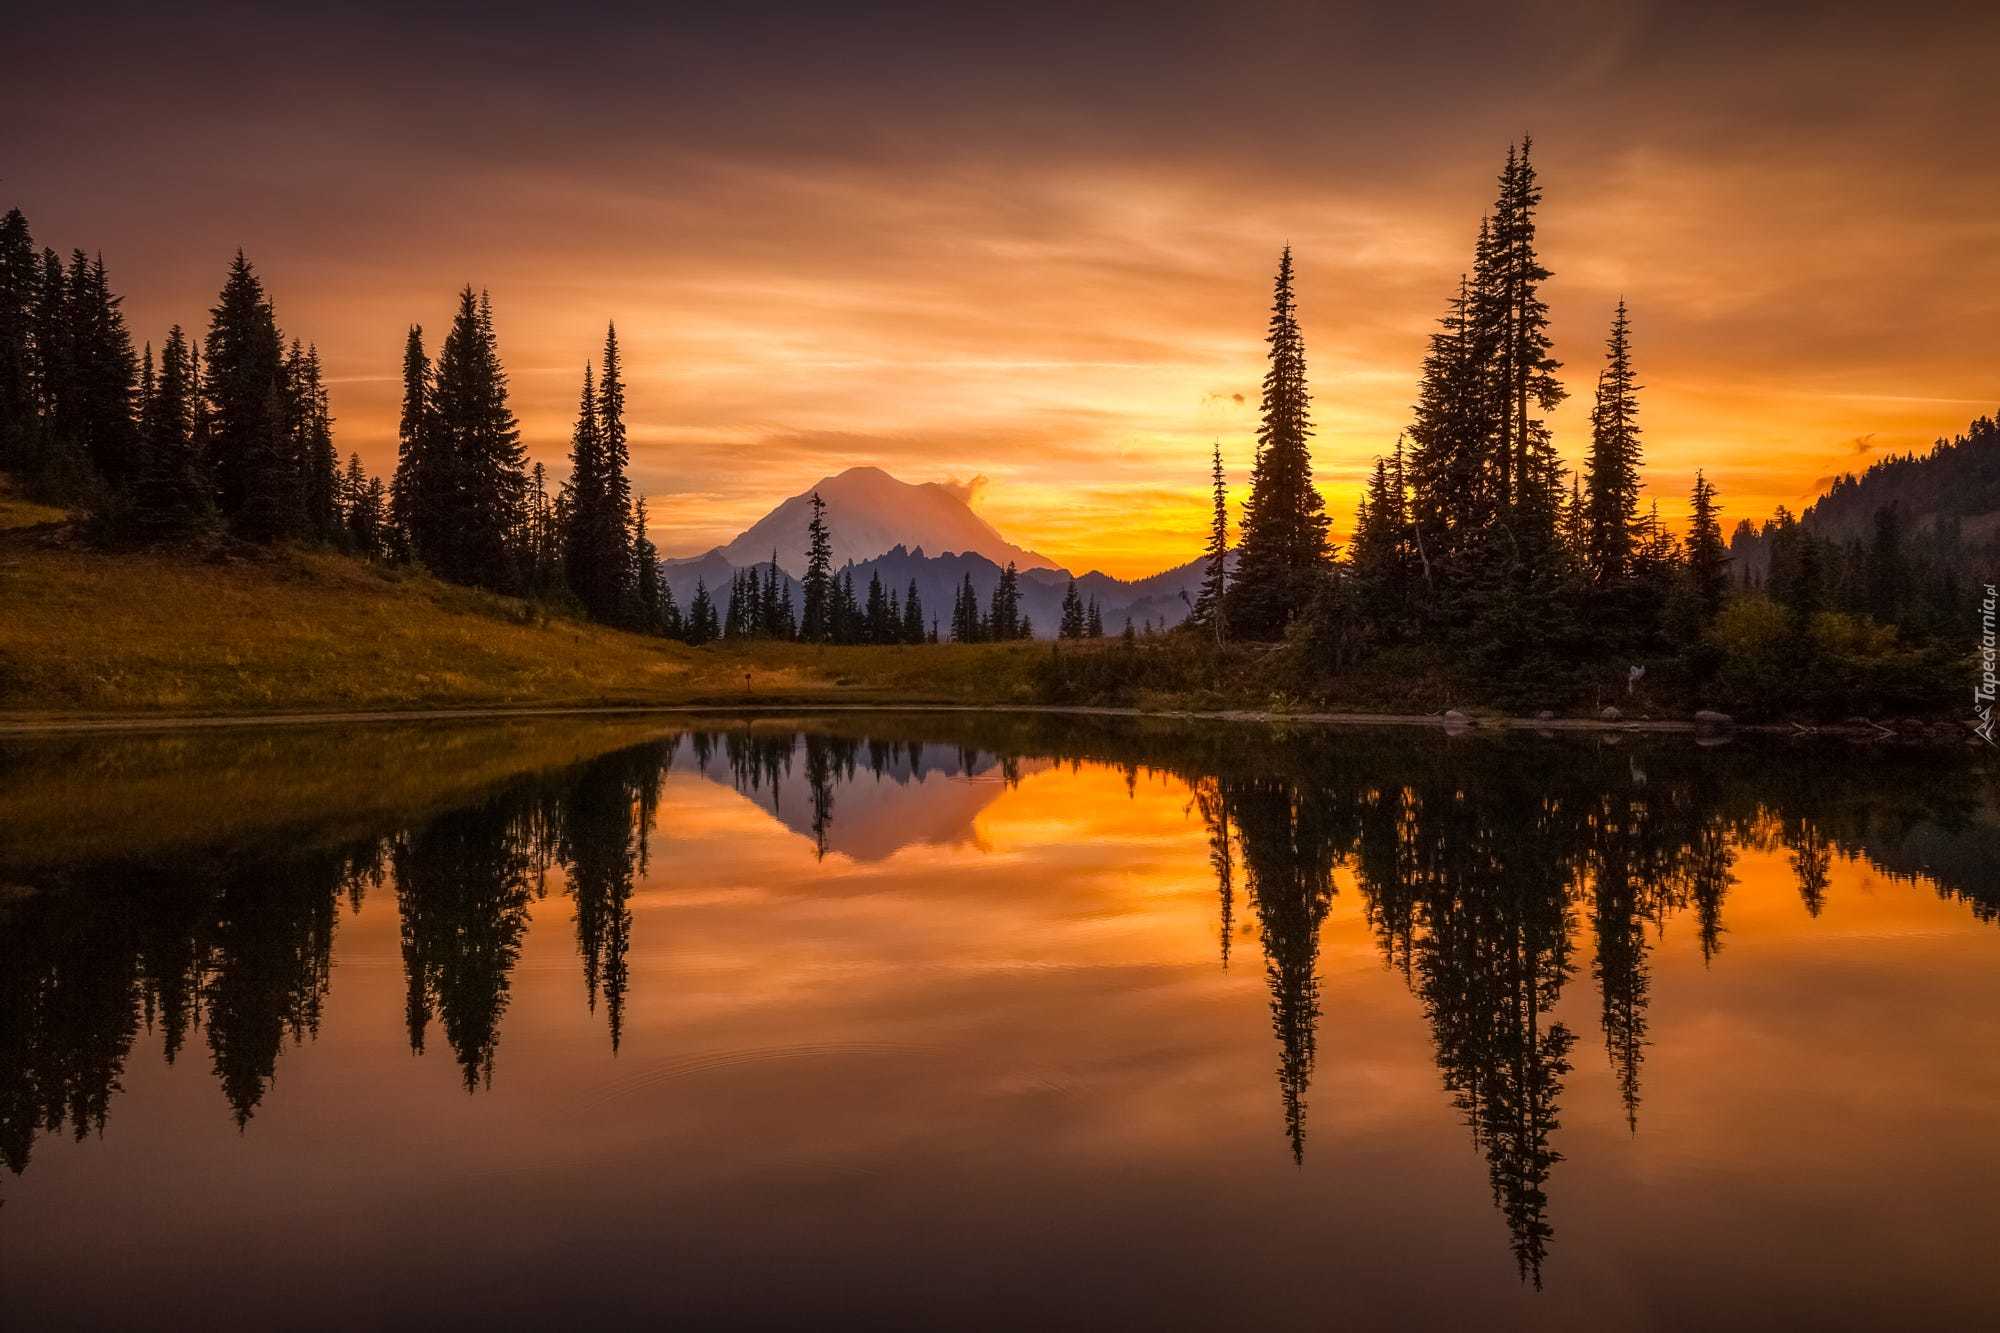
(888,527)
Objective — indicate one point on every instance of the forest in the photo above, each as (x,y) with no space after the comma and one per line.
(1483,569)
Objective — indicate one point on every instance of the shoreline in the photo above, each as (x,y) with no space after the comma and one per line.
(56,724)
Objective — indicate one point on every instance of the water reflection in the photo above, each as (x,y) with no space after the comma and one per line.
(1483,869)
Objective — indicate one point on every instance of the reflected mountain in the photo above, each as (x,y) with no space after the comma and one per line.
(1485,870)
(892,794)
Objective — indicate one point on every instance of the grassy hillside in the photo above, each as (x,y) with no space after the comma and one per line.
(89,631)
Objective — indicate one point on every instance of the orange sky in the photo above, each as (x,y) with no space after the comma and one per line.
(1040,252)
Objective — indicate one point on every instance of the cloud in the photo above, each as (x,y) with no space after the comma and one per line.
(968,491)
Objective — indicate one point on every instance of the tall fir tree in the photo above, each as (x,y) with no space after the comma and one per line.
(1208,606)
(20,279)
(104,370)
(913,615)
(248,403)
(1072,625)
(1707,556)
(1524,368)
(1004,618)
(816,597)
(1452,434)
(648,614)
(1282,555)
(775,607)
(170,496)
(420,493)
(1612,471)
(480,435)
(597,549)
(701,624)
(312,442)
(965,621)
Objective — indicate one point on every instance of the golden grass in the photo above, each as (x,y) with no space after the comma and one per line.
(90,797)
(84,631)
(16,512)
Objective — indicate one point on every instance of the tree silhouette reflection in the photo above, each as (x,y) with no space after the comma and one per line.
(1482,872)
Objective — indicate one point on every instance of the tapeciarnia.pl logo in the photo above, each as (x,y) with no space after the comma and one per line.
(1982,693)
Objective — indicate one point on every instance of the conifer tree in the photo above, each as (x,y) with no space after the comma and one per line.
(1094,626)
(312,441)
(478,432)
(1451,477)
(649,613)
(877,625)
(421,488)
(59,465)
(1613,467)
(775,610)
(1576,525)
(847,622)
(170,495)
(913,615)
(361,509)
(965,624)
(596,549)
(816,611)
(1524,369)
(671,624)
(701,625)
(1282,554)
(247,402)
(1073,624)
(1707,557)
(20,279)
(104,374)
(735,620)
(1004,619)
(1208,606)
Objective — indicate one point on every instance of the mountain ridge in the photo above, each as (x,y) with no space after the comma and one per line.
(869,511)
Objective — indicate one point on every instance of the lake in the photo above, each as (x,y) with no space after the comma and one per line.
(924,1020)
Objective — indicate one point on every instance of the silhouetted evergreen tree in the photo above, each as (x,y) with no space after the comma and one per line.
(648,614)
(878,627)
(816,610)
(1282,556)
(170,495)
(965,620)
(1003,621)
(248,401)
(20,280)
(312,441)
(422,491)
(701,625)
(1073,625)
(1215,576)
(1707,557)
(913,615)
(477,430)
(1613,467)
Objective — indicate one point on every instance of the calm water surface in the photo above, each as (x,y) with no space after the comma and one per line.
(921,1021)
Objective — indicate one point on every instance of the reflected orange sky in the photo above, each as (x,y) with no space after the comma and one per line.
(1036,250)
(1015,1037)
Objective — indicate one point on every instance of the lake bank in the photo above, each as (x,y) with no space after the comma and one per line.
(32,724)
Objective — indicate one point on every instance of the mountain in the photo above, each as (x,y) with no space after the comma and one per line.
(1154,600)
(868,512)
(1948,499)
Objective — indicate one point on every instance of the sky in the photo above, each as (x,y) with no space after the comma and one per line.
(1028,250)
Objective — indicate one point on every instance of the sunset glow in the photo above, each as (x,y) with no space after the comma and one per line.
(1047,264)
